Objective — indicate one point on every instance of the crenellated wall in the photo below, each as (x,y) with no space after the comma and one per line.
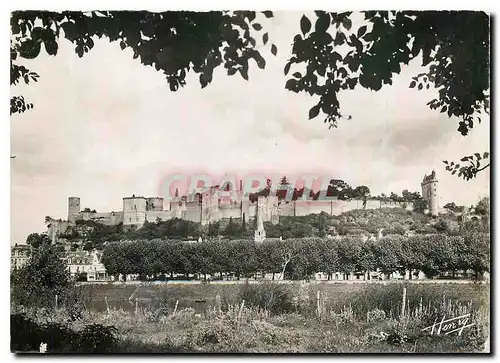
(136,210)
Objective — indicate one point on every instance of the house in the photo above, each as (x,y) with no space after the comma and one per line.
(87,264)
(19,255)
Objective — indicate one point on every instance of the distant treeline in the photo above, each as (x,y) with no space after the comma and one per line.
(303,257)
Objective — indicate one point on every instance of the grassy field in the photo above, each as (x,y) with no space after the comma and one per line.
(193,296)
(272,318)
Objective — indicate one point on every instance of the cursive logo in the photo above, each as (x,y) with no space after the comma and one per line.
(449,326)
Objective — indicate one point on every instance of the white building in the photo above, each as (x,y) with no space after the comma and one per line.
(87,263)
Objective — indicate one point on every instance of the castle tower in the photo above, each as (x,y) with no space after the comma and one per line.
(260,232)
(73,208)
(430,192)
(210,206)
(134,210)
(154,204)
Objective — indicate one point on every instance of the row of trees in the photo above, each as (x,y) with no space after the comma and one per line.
(300,258)
(336,188)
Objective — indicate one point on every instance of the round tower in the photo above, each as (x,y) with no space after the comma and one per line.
(73,208)
(430,192)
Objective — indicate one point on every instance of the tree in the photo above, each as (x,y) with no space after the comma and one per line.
(243,225)
(389,254)
(410,196)
(362,192)
(213,229)
(179,42)
(340,189)
(420,205)
(450,206)
(483,207)
(43,277)
(378,48)
(233,229)
(174,42)
(35,240)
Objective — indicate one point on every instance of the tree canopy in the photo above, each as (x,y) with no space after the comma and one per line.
(338,54)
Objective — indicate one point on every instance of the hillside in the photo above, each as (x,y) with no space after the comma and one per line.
(90,234)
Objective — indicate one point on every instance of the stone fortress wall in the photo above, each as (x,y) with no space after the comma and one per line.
(137,210)
(214,207)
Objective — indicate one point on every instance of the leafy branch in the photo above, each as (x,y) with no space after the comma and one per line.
(469,171)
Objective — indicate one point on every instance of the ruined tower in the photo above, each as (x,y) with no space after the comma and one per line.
(430,192)
(73,208)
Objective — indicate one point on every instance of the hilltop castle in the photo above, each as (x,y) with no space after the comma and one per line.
(212,207)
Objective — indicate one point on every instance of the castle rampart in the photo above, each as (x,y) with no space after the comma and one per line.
(213,208)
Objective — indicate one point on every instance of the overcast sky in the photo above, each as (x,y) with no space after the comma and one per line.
(104,126)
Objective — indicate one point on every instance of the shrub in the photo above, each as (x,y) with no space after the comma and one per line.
(275,298)
(376,315)
(42,279)
(26,335)
(95,338)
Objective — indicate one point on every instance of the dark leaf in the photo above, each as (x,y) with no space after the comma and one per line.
(305,25)
(361,31)
(347,23)
(257,26)
(51,47)
(244,73)
(313,112)
(29,49)
(297,75)
(323,23)
(123,45)
(265,38)
(261,63)
(287,68)
(274,50)
(413,84)
(291,85)
(268,14)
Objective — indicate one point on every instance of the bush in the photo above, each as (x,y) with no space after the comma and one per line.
(376,315)
(42,279)
(26,335)
(95,338)
(275,298)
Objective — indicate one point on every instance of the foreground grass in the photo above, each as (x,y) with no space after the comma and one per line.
(360,320)
(185,296)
